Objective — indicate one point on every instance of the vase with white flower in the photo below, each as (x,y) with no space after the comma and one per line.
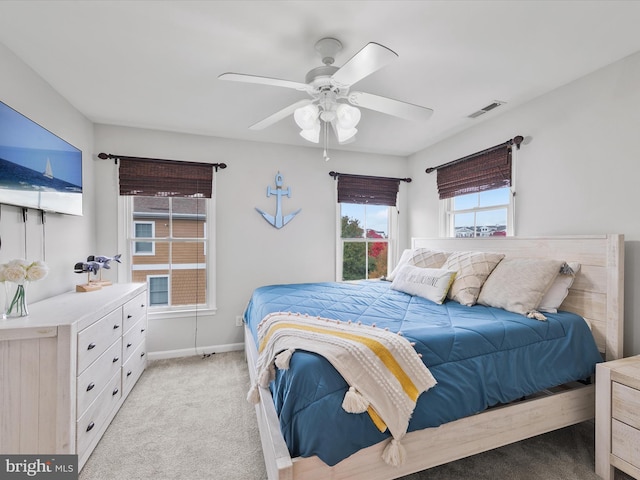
(15,275)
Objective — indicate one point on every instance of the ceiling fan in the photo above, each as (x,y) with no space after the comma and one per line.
(331,98)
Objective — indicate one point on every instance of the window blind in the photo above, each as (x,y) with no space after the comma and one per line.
(165,178)
(485,170)
(363,189)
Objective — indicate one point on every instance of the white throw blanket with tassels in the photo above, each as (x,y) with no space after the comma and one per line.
(385,374)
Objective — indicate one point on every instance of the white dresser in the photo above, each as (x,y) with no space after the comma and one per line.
(66,369)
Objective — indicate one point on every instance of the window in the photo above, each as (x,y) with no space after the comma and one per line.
(158,290)
(364,237)
(143,230)
(483,214)
(174,259)
(167,232)
(476,193)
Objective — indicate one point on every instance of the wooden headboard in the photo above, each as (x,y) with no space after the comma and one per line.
(597,294)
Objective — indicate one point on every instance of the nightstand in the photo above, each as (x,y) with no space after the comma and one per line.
(618,417)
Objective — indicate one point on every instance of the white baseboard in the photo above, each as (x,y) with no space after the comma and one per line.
(190,352)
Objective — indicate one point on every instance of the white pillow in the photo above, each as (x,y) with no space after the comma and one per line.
(430,283)
(420,257)
(518,284)
(404,260)
(473,269)
(558,290)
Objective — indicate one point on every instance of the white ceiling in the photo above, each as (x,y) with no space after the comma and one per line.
(154,64)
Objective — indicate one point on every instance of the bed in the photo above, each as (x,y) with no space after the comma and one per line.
(595,295)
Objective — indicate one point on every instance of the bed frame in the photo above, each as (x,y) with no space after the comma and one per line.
(597,294)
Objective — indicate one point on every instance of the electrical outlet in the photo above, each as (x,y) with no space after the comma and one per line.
(239,321)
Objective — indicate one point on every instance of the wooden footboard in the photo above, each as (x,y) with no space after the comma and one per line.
(597,296)
(487,430)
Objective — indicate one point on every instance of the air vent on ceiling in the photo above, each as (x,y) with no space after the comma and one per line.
(488,108)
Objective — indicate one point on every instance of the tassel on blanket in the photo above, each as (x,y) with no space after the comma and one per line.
(267,375)
(394,453)
(283,358)
(253,396)
(354,402)
(537,315)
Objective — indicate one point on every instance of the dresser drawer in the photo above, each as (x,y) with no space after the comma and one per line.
(96,376)
(94,340)
(133,368)
(625,404)
(625,442)
(133,310)
(92,421)
(133,338)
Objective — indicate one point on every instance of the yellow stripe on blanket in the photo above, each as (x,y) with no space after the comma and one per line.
(376,347)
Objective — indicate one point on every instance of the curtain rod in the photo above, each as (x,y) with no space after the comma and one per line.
(335,175)
(105,156)
(517,140)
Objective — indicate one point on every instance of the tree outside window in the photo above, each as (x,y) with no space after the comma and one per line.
(365,240)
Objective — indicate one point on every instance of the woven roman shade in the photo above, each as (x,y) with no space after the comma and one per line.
(369,190)
(486,170)
(165,178)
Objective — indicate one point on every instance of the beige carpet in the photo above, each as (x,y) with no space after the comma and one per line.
(188,419)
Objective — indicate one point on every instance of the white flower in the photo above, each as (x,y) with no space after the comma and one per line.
(15,271)
(19,270)
(36,271)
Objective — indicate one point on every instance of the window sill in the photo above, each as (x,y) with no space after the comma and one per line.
(180,313)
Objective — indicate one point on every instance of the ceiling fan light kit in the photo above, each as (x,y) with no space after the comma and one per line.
(331,101)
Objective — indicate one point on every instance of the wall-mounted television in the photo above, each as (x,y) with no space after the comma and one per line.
(37,168)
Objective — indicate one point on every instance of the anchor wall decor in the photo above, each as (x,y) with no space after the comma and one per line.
(278,220)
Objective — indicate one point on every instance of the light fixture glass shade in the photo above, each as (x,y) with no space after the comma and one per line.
(347,116)
(345,134)
(306,117)
(312,134)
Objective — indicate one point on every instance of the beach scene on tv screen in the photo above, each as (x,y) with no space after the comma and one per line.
(37,168)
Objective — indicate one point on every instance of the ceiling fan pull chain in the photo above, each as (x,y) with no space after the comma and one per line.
(326,141)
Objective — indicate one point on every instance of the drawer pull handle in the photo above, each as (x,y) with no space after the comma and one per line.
(142,330)
(115,359)
(129,373)
(90,426)
(142,355)
(116,326)
(90,386)
(91,346)
(142,305)
(115,392)
(129,316)
(129,344)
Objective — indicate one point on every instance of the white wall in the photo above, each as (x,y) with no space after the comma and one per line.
(65,239)
(250,252)
(577,175)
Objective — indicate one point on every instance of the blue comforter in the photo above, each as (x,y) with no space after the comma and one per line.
(480,356)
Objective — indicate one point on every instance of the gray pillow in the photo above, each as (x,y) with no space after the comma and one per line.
(518,284)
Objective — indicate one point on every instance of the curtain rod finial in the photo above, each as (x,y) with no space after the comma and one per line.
(518,140)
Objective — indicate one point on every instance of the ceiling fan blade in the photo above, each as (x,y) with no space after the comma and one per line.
(368,60)
(389,106)
(276,117)
(275,82)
